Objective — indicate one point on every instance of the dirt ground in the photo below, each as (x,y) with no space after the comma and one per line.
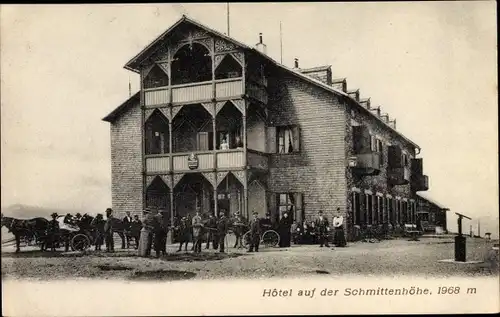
(389,258)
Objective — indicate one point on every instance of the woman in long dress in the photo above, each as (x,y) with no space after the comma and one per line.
(339,236)
(284,230)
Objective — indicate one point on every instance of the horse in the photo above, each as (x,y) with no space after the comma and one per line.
(25,228)
(118,226)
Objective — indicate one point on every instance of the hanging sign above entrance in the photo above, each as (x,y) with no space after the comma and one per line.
(192,161)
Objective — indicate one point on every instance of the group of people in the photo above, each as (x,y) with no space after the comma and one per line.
(319,231)
(187,229)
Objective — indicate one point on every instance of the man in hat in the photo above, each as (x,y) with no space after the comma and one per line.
(135,230)
(127,221)
(53,232)
(211,227)
(98,225)
(255,231)
(197,231)
(150,224)
(184,233)
(239,229)
(322,226)
(108,231)
(222,228)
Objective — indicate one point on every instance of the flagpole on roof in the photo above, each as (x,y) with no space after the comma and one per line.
(281,44)
(228,28)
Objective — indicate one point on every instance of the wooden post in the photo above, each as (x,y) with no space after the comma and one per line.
(215,199)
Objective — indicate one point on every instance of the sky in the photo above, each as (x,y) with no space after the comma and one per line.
(430,65)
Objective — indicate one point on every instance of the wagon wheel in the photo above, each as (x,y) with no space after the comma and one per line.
(246,239)
(80,242)
(270,238)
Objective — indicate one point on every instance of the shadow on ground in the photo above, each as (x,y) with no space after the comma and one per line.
(169,275)
(192,257)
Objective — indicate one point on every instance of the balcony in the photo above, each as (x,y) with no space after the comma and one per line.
(194,92)
(258,159)
(398,175)
(202,161)
(366,164)
(420,182)
(257,92)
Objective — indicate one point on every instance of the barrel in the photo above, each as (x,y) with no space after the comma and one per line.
(143,242)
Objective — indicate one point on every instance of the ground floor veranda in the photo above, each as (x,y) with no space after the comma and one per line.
(209,193)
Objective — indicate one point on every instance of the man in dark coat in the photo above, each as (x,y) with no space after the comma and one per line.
(127,221)
(98,225)
(135,230)
(52,233)
(284,230)
(211,227)
(184,233)
(255,232)
(222,228)
(323,227)
(239,229)
(108,231)
(151,224)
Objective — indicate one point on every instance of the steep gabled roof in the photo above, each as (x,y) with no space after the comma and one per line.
(132,65)
(111,117)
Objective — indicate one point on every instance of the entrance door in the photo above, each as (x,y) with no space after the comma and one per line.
(223,203)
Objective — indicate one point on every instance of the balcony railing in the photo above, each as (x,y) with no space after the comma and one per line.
(158,164)
(230,159)
(202,161)
(156,96)
(228,88)
(420,182)
(194,92)
(398,175)
(258,159)
(367,163)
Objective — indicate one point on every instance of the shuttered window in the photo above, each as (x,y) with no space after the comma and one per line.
(288,139)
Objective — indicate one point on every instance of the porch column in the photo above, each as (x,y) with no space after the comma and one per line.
(245,195)
(215,201)
(172,207)
(244,137)
(214,137)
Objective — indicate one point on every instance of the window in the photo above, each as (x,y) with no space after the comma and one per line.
(288,139)
(379,210)
(390,210)
(356,208)
(380,149)
(373,143)
(290,203)
(369,208)
(405,159)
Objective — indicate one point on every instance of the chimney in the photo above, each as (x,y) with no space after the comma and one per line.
(365,103)
(296,63)
(376,111)
(392,124)
(261,47)
(385,118)
(340,84)
(354,94)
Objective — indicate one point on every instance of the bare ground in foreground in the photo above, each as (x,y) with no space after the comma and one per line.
(389,258)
